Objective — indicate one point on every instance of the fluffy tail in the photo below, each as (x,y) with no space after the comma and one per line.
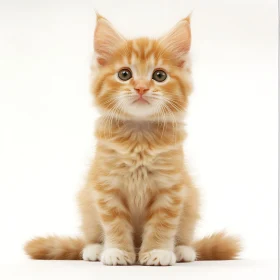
(218,246)
(55,248)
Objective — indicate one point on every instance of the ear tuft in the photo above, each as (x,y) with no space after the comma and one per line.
(98,16)
(188,18)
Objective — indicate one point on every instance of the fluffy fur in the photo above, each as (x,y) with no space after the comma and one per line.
(139,202)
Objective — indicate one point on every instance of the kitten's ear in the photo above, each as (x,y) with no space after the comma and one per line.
(178,40)
(106,40)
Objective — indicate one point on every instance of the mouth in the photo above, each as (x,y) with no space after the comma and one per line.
(140,100)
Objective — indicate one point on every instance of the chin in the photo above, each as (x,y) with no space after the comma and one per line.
(142,111)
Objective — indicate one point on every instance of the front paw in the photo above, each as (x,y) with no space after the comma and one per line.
(115,256)
(157,257)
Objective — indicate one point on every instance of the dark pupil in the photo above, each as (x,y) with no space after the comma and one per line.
(124,74)
(160,75)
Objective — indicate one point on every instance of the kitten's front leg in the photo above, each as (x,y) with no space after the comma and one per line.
(116,222)
(160,228)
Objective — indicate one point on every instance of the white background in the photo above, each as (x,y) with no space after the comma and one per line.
(47,119)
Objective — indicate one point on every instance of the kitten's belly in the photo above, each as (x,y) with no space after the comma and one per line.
(138,219)
(139,176)
(137,186)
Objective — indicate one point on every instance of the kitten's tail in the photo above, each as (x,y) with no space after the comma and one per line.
(55,248)
(218,246)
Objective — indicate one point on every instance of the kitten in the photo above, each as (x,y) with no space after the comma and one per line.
(139,202)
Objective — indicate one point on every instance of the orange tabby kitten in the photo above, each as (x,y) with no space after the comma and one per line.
(139,202)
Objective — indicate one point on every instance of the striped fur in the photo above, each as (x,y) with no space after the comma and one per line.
(139,198)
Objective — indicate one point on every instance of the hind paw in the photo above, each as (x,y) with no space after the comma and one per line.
(185,254)
(92,252)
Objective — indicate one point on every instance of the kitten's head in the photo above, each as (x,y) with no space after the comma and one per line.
(142,79)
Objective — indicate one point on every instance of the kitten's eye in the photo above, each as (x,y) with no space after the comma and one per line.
(125,74)
(159,76)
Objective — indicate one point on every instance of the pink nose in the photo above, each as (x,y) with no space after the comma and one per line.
(141,89)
